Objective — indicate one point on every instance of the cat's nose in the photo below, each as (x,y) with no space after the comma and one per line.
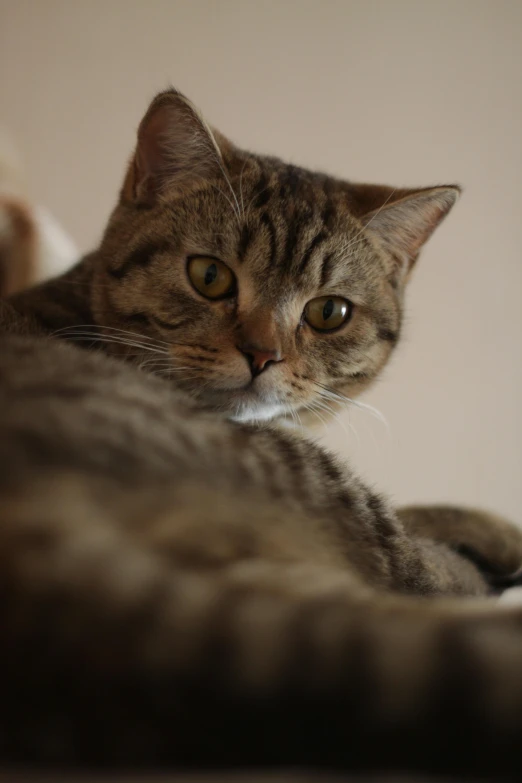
(259,358)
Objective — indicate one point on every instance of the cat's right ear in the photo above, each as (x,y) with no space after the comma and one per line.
(175,150)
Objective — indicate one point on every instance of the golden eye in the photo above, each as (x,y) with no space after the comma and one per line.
(212,278)
(328,312)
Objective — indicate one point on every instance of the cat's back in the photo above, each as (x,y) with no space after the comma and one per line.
(83,405)
(80,430)
(78,407)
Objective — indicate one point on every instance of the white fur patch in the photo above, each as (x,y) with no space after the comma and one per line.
(512,597)
(56,250)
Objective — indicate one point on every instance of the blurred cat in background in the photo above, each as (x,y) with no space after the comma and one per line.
(33,245)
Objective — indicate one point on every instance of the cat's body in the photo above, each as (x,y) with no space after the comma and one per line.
(177,588)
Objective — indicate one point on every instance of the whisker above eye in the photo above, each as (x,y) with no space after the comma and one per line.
(241,189)
(358,239)
(375,214)
(233,208)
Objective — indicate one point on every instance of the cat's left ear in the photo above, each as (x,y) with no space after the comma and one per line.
(403,220)
(175,151)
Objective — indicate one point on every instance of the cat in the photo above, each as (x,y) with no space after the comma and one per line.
(33,246)
(300,234)
(184,582)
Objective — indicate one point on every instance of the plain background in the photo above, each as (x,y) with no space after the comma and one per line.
(400,91)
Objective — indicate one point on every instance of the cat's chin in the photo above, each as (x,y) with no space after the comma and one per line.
(261,412)
(251,408)
(244,405)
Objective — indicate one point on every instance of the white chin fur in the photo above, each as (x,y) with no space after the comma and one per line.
(257,412)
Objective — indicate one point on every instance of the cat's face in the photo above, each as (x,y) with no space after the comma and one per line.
(259,288)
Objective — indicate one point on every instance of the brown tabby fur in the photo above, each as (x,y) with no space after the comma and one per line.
(179,588)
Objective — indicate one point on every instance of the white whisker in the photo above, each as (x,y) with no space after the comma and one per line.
(241,190)
(365,226)
(66,330)
(336,396)
(236,214)
(115,340)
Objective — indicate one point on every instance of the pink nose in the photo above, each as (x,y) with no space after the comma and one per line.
(259,358)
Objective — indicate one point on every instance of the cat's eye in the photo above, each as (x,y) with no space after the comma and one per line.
(210,277)
(327,312)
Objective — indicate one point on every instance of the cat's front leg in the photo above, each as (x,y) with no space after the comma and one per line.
(490,542)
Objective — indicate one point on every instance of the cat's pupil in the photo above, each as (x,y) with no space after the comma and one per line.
(210,274)
(328,309)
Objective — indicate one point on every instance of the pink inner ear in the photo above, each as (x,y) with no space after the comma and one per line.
(149,161)
(404,226)
(175,151)
(150,155)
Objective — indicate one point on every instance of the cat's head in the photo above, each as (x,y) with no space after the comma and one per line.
(260,288)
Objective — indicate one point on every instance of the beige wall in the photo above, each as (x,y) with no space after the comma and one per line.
(402,91)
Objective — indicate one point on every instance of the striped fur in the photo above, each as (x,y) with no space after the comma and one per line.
(182,589)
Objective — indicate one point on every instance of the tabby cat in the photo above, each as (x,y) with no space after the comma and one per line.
(183,582)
